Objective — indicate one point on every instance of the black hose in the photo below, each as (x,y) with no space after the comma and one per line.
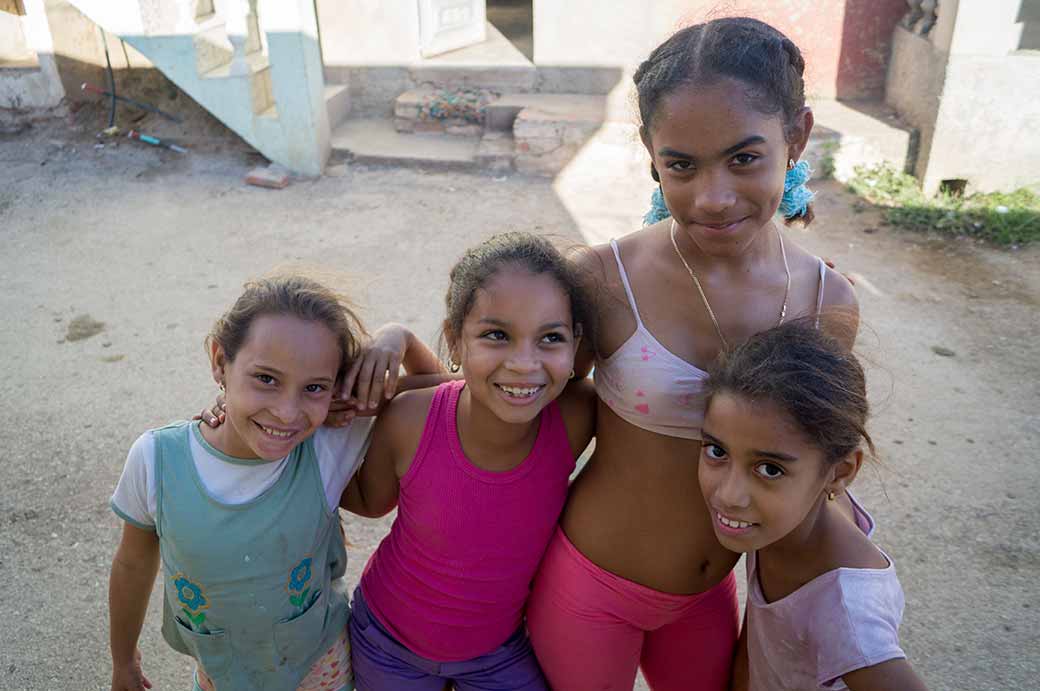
(111,81)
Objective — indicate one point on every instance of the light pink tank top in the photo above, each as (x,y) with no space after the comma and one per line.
(650,387)
(451,579)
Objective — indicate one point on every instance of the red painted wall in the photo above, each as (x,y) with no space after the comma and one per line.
(846,43)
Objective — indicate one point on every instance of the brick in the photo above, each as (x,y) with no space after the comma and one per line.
(272,177)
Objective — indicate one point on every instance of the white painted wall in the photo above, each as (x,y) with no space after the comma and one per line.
(12,39)
(984,27)
(32,88)
(970,94)
(368,32)
(610,34)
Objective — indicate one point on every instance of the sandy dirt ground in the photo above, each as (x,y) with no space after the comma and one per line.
(154,246)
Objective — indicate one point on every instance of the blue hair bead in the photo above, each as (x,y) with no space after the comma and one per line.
(658,211)
(797,196)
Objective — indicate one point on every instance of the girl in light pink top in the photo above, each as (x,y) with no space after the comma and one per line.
(782,442)
(478,470)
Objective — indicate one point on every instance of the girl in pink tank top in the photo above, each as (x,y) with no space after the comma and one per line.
(782,441)
(478,470)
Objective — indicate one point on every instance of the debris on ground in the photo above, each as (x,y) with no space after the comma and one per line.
(273,177)
(82,327)
(155,141)
(943,352)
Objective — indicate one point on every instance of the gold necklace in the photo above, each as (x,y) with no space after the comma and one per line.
(704,298)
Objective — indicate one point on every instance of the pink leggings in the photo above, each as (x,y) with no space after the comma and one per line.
(592,629)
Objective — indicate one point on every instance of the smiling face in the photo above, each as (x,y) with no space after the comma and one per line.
(278,387)
(517,344)
(721,163)
(762,479)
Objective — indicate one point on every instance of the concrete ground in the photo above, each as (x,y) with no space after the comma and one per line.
(155,246)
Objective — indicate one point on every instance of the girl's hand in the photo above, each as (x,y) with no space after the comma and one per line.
(343,410)
(374,375)
(214,416)
(130,677)
(830,265)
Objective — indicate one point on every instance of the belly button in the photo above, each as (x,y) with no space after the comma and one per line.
(704,566)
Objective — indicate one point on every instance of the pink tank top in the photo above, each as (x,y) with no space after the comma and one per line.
(451,579)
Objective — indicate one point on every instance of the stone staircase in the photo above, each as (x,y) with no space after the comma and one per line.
(268,89)
(480,108)
(468,128)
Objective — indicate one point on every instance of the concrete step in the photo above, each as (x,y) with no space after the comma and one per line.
(259,77)
(847,134)
(550,130)
(469,111)
(212,47)
(376,141)
(337,103)
(256,62)
(456,111)
(502,112)
(262,90)
(535,133)
(496,151)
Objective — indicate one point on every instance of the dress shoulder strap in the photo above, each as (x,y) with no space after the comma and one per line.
(624,281)
(819,294)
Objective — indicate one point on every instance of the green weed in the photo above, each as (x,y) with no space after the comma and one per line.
(1002,218)
(827,164)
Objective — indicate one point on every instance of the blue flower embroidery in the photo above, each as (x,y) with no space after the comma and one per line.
(300,575)
(190,594)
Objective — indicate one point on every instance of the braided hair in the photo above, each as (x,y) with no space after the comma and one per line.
(767,62)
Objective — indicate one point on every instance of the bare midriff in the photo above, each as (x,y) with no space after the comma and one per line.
(636,510)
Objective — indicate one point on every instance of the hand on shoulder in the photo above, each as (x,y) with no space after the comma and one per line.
(840,309)
(578,407)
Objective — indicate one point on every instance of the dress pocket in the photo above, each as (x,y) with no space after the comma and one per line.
(212,650)
(297,639)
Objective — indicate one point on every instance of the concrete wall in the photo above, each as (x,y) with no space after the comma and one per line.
(33,87)
(368,32)
(987,129)
(916,74)
(971,93)
(13,47)
(845,42)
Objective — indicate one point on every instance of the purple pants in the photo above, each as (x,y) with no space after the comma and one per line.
(382,664)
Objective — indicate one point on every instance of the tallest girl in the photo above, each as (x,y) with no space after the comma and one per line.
(635,576)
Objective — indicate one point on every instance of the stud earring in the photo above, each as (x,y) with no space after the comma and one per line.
(571,375)
(454,366)
(790,164)
(830,496)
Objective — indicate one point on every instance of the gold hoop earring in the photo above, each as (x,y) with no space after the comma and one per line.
(571,376)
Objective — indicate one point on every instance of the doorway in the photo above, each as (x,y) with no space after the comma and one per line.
(515,20)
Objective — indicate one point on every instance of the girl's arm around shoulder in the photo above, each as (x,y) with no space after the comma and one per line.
(892,675)
(578,407)
(591,266)
(840,310)
(373,490)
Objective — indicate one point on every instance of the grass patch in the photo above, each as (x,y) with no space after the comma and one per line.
(1004,219)
(827,164)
